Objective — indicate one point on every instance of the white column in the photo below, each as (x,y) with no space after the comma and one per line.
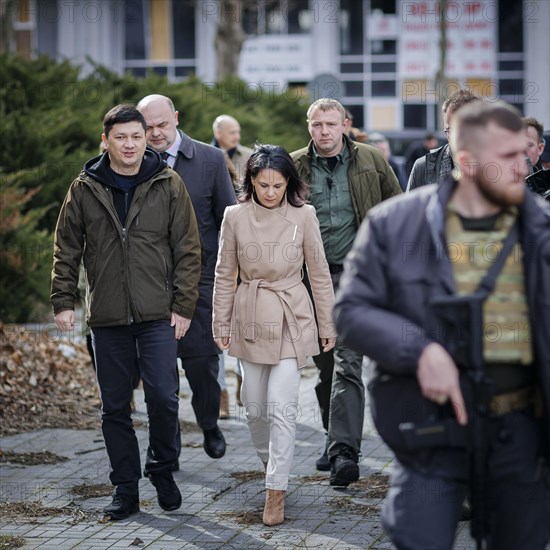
(94,29)
(325,34)
(537,53)
(207,13)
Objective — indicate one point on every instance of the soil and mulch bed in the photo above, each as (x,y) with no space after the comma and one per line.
(373,485)
(10,542)
(85,491)
(31,459)
(348,505)
(25,511)
(250,517)
(45,382)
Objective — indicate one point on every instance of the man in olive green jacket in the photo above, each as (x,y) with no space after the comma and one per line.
(347,179)
(130,218)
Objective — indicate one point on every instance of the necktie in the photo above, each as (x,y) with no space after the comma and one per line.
(165,155)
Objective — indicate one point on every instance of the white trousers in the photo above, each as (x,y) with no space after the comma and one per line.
(270,396)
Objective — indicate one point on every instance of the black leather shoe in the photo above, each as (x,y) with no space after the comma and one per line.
(323,463)
(168,494)
(214,443)
(343,469)
(122,506)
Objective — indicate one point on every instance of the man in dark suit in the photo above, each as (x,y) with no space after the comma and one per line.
(205,175)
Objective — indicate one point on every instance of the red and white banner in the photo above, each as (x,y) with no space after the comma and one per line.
(471,38)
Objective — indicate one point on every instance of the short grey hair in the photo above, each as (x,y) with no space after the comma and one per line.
(327,104)
(377,137)
(221,120)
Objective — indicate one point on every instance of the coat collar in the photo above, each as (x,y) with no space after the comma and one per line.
(187,148)
(261,212)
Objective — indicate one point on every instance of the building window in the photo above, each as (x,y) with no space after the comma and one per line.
(354,88)
(385,6)
(383,47)
(298,16)
(415,116)
(183,28)
(351,27)
(351,67)
(276,17)
(512,87)
(358,113)
(135,30)
(510,25)
(384,67)
(383,88)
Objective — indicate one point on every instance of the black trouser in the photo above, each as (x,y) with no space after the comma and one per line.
(202,373)
(325,364)
(421,511)
(115,352)
(90,347)
(340,392)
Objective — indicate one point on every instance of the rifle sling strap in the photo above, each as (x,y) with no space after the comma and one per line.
(488,282)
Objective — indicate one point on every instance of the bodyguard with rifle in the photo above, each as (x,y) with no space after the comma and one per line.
(447,289)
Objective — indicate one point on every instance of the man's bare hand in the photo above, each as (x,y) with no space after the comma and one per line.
(64,320)
(223,342)
(181,324)
(438,377)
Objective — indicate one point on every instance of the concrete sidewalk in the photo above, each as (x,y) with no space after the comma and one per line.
(222,499)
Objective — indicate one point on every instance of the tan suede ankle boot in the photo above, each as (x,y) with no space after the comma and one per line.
(224,405)
(239,386)
(274,510)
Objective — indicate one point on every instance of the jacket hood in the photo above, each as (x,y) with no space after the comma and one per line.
(98,168)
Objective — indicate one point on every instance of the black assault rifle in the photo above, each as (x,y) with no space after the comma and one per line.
(460,318)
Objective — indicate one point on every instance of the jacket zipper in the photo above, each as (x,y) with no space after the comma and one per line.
(165,271)
(114,215)
(125,252)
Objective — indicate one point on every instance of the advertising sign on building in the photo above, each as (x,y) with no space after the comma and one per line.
(471,27)
(272,58)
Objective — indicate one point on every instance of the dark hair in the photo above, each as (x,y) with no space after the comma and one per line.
(459,98)
(276,158)
(120,115)
(530,121)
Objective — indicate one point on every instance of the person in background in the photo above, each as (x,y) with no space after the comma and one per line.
(227,137)
(545,155)
(131,221)
(346,179)
(417,150)
(355,134)
(535,142)
(538,179)
(437,165)
(380,141)
(205,176)
(267,320)
(418,249)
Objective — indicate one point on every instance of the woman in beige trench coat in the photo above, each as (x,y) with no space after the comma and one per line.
(267,321)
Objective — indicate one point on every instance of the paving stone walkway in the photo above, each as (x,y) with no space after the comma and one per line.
(222,499)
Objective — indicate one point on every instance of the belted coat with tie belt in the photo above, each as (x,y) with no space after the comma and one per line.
(269,315)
